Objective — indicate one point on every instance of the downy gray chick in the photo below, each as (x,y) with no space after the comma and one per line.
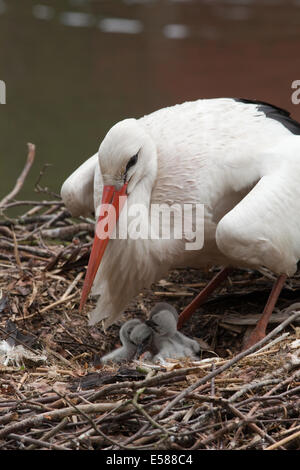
(142,336)
(128,349)
(167,337)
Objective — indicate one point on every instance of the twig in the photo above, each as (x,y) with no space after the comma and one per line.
(54,304)
(253,426)
(52,432)
(36,442)
(212,437)
(22,177)
(33,203)
(251,386)
(72,285)
(235,359)
(283,441)
(85,415)
(144,413)
(55,414)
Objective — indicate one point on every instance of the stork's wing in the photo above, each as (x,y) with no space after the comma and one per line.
(77,191)
(263,229)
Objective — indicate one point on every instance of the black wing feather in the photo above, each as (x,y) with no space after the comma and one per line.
(274,112)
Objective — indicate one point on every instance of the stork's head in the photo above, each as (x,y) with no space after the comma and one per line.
(127,155)
(127,159)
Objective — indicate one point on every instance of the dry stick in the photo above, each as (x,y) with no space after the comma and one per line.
(88,431)
(144,413)
(37,442)
(212,437)
(288,392)
(30,213)
(48,307)
(280,372)
(251,425)
(141,431)
(65,233)
(22,177)
(290,430)
(275,341)
(16,250)
(275,409)
(52,432)
(34,203)
(251,386)
(283,441)
(8,417)
(45,224)
(94,426)
(159,379)
(49,416)
(268,395)
(212,384)
(54,304)
(221,369)
(72,285)
(30,249)
(203,398)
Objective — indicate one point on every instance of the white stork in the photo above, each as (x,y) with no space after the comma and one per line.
(239,158)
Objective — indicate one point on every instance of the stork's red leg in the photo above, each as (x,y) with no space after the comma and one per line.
(259,331)
(202,296)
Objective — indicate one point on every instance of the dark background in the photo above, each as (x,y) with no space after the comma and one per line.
(72,69)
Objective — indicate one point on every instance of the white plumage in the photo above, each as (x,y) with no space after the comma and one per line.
(240,159)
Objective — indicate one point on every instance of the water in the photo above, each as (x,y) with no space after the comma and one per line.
(74,68)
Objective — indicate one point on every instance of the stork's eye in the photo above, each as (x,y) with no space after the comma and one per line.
(131,162)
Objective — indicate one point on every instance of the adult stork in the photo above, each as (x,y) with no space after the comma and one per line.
(239,158)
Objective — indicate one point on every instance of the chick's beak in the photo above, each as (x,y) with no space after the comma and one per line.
(143,347)
(152,325)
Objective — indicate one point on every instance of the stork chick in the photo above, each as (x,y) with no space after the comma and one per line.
(142,337)
(128,349)
(190,347)
(164,342)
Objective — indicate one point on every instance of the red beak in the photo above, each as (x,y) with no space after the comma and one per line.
(110,196)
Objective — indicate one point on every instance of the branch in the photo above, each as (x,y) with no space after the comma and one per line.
(22,177)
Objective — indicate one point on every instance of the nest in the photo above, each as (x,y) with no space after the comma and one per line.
(56,396)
